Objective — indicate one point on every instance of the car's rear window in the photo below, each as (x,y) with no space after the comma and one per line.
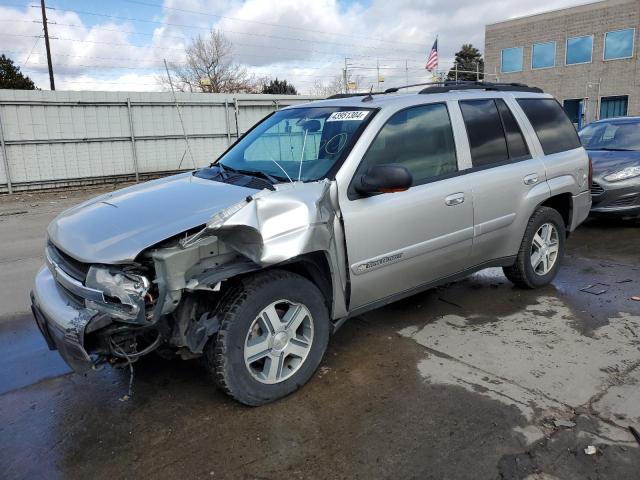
(554,129)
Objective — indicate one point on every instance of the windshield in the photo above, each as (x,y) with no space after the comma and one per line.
(299,143)
(611,136)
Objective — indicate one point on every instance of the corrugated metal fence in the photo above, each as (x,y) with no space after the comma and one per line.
(51,139)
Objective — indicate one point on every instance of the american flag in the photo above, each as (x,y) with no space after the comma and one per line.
(432,61)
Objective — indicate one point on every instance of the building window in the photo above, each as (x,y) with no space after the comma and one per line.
(543,55)
(511,60)
(619,44)
(579,50)
(613,106)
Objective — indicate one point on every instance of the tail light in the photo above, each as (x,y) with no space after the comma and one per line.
(590,179)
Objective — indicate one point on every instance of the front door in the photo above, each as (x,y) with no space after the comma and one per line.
(399,241)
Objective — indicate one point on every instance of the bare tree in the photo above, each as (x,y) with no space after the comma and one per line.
(210,68)
(336,85)
(322,89)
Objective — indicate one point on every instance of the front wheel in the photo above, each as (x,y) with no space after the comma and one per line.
(273,333)
(541,250)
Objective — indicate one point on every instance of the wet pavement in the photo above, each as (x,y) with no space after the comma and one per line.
(463,381)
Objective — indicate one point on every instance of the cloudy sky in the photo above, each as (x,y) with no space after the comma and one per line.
(121,44)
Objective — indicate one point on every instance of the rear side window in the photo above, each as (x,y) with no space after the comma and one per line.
(515,140)
(494,134)
(484,129)
(418,138)
(553,128)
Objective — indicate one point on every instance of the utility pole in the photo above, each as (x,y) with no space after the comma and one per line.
(345,76)
(46,42)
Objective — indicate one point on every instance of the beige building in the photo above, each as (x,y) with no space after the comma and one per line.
(586,56)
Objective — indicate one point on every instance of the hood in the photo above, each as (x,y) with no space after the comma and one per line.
(116,227)
(605,161)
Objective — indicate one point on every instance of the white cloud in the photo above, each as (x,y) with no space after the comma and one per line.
(301,40)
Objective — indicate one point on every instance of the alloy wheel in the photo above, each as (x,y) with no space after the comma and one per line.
(278,341)
(544,249)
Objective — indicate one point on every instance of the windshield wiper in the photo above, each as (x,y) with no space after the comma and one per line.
(252,173)
(264,175)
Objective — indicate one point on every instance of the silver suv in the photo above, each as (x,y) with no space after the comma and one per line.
(320,212)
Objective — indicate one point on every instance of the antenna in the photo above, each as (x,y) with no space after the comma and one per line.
(184,132)
(369,97)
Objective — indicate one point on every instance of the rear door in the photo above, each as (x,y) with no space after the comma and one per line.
(399,241)
(505,177)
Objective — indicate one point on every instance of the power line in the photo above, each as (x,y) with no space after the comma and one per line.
(170,60)
(231,31)
(32,49)
(114,44)
(226,31)
(199,12)
(324,42)
(131,19)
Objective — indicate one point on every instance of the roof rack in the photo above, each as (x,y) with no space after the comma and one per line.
(347,95)
(448,86)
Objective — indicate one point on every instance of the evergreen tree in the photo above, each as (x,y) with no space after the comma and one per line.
(279,87)
(11,77)
(467,60)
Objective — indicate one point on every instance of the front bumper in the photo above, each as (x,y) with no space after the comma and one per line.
(617,198)
(61,320)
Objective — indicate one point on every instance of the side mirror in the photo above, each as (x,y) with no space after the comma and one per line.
(384,179)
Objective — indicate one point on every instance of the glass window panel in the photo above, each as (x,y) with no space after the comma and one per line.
(543,55)
(511,60)
(485,132)
(613,106)
(515,140)
(418,138)
(618,44)
(579,49)
(554,129)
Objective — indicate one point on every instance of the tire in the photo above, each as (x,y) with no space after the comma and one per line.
(522,273)
(247,325)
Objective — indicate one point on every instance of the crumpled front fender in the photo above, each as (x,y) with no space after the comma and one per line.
(273,226)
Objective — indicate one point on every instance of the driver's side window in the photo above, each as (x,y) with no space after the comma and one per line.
(418,138)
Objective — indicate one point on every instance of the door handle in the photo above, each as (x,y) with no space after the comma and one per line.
(454,199)
(531,179)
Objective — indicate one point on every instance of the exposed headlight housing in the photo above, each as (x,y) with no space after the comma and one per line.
(628,172)
(124,293)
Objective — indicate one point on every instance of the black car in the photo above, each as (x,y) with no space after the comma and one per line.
(614,148)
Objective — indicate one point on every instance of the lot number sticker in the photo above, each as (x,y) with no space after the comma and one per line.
(350,115)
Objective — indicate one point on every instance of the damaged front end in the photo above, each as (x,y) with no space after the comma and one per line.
(166,299)
(91,313)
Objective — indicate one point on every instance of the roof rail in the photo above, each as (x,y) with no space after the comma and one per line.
(347,95)
(449,86)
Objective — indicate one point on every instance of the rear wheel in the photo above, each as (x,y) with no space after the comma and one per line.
(273,333)
(541,250)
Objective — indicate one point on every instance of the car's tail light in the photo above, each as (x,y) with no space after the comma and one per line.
(590,179)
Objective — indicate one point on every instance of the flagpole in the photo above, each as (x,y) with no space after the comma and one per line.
(406,72)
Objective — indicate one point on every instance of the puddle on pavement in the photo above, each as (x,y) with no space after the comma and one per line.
(536,360)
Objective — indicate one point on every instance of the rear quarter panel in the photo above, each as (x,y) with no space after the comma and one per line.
(565,172)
